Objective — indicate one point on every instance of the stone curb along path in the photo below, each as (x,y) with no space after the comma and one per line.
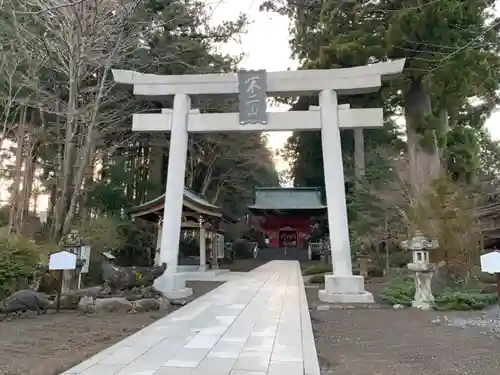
(257,324)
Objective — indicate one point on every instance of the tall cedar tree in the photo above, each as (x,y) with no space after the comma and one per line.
(451,47)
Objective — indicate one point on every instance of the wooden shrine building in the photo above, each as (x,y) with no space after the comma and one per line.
(198,217)
(286,216)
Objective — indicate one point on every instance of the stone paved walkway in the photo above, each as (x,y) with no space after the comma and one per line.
(255,325)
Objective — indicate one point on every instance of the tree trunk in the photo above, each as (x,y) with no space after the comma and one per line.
(130,168)
(215,198)
(16,185)
(207,180)
(29,169)
(56,191)
(84,160)
(359,154)
(445,121)
(156,167)
(137,162)
(142,175)
(69,156)
(64,200)
(88,181)
(52,203)
(425,164)
(89,145)
(104,163)
(191,165)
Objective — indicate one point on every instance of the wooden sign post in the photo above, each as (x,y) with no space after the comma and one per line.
(60,261)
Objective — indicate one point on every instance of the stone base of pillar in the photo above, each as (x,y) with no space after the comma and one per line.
(345,289)
(173,286)
(203,268)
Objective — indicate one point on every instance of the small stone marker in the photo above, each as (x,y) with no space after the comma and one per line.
(60,261)
(490,263)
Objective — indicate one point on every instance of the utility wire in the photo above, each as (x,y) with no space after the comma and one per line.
(495,24)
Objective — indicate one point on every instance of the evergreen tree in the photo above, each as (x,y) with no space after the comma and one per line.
(451,47)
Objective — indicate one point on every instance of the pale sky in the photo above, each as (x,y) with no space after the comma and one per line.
(265,47)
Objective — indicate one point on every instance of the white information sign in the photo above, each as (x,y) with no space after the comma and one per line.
(490,262)
(62,260)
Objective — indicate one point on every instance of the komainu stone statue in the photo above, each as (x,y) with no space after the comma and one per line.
(25,300)
(125,278)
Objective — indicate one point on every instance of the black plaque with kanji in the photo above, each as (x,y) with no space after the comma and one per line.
(252,85)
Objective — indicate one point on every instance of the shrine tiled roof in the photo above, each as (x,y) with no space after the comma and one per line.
(297,198)
(190,200)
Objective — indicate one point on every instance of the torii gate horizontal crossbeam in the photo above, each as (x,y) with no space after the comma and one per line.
(277,121)
(347,81)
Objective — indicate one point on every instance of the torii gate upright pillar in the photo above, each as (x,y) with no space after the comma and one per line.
(340,287)
(171,283)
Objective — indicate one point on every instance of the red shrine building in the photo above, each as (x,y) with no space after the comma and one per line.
(286,215)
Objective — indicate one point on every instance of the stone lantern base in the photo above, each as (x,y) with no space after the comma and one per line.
(345,289)
(423,294)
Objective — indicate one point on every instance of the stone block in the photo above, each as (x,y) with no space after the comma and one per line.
(88,304)
(345,289)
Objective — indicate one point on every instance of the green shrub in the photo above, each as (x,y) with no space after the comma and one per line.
(136,244)
(464,300)
(399,259)
(243,249)
(131,242)
(319,268)
(94,276)
(49,282)
(317,279)
(399,292)
(19,258)
(402,290)
(374,270)
(102,233)
(483,277)
(253,235)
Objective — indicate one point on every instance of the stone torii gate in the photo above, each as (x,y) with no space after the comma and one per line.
(329,117)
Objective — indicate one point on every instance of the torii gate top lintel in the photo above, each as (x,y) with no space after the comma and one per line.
(345,81)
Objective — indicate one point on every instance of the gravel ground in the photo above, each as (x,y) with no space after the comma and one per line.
(386,341)
(50,344)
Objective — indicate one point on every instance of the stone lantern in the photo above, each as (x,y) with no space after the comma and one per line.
(420,246)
